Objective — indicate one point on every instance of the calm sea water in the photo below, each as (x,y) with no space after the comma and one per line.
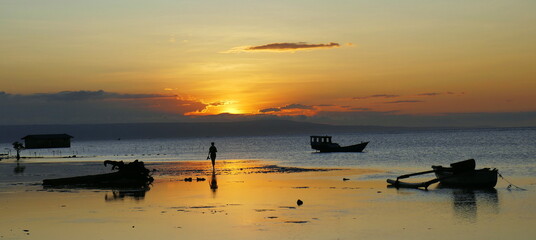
(512,151)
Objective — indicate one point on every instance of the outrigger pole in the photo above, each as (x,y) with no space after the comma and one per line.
(396,183)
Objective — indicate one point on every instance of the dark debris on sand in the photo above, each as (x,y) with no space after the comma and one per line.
(175,169)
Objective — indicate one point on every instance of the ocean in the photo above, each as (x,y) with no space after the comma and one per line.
(263,206)
(511,150)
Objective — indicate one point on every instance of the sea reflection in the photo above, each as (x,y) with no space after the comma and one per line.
(122,194)
(467,203)
(19,169)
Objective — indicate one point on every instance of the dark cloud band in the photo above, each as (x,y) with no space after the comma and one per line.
(291,46)
(293,106)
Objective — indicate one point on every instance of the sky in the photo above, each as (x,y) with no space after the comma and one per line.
(346,62)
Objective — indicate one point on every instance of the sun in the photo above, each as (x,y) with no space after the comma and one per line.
(231,110)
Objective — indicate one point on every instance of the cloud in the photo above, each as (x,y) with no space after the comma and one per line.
(284,47)
(426,94)
(297,106)
(404,101)
(267,110)
(70,96)
(293,106)
(429,94)
(309,110)
(291,46)
(219,103)
(360,109)
(394,118)
(419,95)
(73,107)
(377,96)
(91,96)
(433,94)
(93,107)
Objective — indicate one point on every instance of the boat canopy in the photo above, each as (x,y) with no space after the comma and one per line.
(321,139)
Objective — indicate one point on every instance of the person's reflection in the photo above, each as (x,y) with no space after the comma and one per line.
(213,183)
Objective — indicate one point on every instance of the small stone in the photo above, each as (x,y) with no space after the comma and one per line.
(299,202)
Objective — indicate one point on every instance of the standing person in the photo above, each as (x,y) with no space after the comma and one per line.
(212,155)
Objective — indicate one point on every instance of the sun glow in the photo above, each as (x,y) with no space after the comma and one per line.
(221,107)
(231,110)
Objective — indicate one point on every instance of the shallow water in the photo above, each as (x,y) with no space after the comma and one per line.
(242,201)
(512,151)
(263,206)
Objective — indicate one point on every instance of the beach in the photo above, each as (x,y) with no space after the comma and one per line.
(252,199)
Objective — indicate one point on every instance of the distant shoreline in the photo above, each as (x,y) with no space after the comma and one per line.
(11,133)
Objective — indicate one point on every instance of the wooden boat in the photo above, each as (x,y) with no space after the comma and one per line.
(464,175)
(324,144)
(131,175)
(459,175)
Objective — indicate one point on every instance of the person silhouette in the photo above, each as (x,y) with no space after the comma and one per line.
(212,155)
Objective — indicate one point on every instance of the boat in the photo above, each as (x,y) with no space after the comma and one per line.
(459,175)
(130,175)
(324,144)
(464,175)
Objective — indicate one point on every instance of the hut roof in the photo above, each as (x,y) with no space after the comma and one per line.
(47,136)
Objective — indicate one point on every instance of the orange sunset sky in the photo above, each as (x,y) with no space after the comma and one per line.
(407,63)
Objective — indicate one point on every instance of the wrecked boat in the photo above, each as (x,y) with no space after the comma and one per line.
(128,175)
(459,175)
(464,175)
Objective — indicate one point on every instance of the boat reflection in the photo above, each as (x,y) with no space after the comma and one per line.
(122,194)
(468,203)
(112,194)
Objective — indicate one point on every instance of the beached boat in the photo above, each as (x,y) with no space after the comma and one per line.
(130,175)
(459,175)
(464,175)
(324,144)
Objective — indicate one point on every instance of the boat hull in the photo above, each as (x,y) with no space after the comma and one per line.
(481,178)
(336,148)
(115,179)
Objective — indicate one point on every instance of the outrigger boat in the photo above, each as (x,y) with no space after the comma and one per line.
(459,175)
(324,144)
(130,175)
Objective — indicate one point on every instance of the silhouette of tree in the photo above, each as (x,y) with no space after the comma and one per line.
(18,147)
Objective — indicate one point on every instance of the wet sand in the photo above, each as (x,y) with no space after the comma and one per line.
(258,200)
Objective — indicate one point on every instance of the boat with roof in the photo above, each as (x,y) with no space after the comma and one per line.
(325,144)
